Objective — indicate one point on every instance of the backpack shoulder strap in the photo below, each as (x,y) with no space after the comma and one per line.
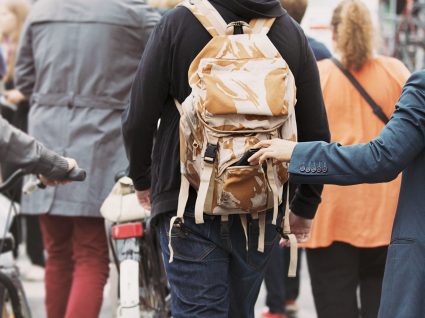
(261,25)
(207,15)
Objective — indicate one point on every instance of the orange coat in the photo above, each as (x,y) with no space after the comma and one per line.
(361,215)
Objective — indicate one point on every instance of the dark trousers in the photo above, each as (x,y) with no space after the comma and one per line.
(213,274)
(281,288)
(35,248)
(338,271)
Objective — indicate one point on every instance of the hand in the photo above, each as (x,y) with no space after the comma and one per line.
(14,96)
(278,149)
(144,198)
(300,227)
(52,183)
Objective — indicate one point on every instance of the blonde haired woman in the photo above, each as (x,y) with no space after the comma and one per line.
(352,229)
(13,14)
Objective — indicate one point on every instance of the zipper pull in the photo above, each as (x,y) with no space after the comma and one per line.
(194,148)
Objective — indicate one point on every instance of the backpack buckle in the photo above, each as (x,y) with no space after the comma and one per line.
(282,233)
(238,27)
(210,153)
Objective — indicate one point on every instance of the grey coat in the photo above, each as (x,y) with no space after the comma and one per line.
(77,60)
(399,147)
(26,153)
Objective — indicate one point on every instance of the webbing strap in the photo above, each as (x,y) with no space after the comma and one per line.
(261,25)
(286,224)
(178,106)
(170,247)
(183,196)
(262,232)
(244,223)
(207,15)
(206,174)
(293,261)
(273,185)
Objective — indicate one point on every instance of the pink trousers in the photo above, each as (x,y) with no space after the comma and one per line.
(77,265)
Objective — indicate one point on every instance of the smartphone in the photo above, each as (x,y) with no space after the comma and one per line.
(244,160)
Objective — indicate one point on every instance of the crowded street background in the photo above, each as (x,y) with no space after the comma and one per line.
(105,82)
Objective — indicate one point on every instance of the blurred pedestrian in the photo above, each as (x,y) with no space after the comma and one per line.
(297,10)
(2,66)
(351,233)
(349,240)
(283,291)
(212,274)
(400,147)
(13,14)
(77,60)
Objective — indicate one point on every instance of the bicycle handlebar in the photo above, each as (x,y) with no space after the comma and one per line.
(76,174)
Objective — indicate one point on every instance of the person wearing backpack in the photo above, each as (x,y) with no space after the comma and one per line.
(243,65)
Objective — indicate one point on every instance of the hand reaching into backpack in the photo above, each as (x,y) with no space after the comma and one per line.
(278,149)
(300,227)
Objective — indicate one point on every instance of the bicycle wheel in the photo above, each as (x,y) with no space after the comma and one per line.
(12,296)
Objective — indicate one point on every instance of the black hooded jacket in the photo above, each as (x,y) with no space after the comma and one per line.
(163,75)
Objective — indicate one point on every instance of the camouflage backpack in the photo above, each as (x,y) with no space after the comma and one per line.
(242,92)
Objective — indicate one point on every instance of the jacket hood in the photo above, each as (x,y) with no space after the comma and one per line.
(253,8)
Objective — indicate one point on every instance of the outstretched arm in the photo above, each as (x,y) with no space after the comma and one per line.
(381,160)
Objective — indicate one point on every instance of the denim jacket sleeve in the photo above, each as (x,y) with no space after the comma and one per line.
(380,160)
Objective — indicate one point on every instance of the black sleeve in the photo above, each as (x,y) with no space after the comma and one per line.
(148,95)
(312,125)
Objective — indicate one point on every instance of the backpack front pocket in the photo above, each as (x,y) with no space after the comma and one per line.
(244,188)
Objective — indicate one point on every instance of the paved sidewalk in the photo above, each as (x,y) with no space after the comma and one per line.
(35,294)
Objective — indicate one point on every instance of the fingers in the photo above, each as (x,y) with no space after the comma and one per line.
(261,156)
(144,199)
(71,163)
(51,183)
(263,144)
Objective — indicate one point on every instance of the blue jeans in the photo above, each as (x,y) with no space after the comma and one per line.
(213,275)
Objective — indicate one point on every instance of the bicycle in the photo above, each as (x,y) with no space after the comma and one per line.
(143,288)
(13,300)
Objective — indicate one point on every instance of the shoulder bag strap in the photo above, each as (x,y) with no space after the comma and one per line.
(375,107)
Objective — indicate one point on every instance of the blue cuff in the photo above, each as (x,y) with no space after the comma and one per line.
(303,163)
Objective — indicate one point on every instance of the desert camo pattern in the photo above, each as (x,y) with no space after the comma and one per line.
(242,92)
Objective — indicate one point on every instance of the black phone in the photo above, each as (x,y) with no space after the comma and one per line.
(244,160)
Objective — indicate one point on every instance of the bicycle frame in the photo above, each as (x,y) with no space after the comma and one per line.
(127,237)
(9,275)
